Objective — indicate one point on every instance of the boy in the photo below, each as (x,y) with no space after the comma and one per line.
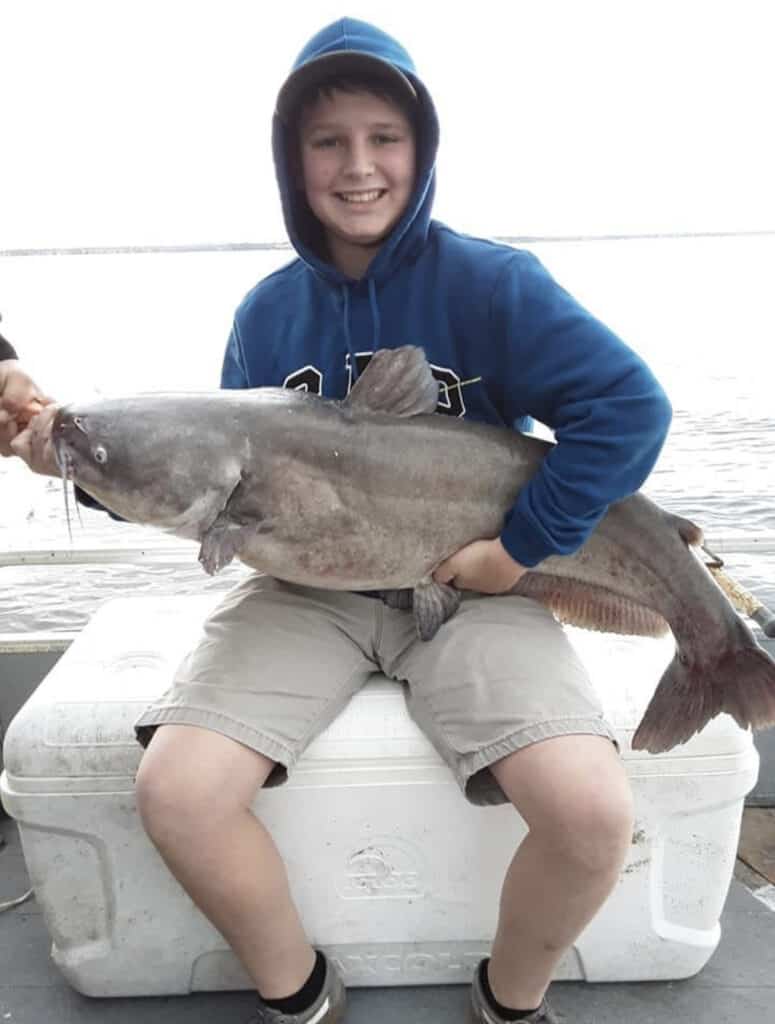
(498,690)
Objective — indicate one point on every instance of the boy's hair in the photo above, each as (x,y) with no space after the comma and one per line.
(376,85)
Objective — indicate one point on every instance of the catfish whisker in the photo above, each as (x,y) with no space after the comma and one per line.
(65,466)
(65,479)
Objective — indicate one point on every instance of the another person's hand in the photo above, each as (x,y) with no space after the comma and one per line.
(20,400)
(484,565)
(33,444)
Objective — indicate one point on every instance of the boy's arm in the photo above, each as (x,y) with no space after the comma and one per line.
(609,414)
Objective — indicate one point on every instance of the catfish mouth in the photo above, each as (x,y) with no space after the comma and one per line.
(73,452)
(64,437)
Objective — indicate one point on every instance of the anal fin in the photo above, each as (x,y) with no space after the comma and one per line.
(590,606)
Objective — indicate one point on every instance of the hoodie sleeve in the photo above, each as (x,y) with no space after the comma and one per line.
(609,414)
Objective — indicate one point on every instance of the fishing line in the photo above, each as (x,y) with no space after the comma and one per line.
(459,384)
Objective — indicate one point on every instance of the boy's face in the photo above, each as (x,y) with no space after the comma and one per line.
(358,167)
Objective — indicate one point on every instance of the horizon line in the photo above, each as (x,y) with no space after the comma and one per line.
(183,247)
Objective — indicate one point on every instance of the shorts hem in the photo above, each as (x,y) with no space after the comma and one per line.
(483,789)
(206,718)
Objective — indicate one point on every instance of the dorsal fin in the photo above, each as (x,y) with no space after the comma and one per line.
(396,381)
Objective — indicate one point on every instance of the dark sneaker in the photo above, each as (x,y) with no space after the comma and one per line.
(482,1014)
(328,1008)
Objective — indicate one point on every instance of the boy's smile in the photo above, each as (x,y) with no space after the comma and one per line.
(358,168)
(362,198)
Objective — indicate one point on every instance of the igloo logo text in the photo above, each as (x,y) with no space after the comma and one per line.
(383,868)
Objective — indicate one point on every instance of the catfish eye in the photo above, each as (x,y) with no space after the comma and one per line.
(100,455)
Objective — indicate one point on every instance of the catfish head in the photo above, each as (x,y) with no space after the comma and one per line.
(151,459)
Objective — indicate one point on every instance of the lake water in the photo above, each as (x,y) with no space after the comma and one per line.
(699,310)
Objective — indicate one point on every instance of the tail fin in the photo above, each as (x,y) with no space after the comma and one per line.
(742,684)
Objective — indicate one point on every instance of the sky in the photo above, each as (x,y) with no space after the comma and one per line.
(136,122)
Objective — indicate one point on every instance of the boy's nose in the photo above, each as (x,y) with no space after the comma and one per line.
(359,163)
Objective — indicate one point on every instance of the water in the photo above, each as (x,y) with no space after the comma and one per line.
(700,311)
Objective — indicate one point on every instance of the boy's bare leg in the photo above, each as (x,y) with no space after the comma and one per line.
(194,792)
(574,794)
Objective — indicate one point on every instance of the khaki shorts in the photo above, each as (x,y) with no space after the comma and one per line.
(277,663)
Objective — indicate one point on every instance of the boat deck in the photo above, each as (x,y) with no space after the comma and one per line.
(738,984)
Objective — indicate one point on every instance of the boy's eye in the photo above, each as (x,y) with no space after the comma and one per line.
(330,141)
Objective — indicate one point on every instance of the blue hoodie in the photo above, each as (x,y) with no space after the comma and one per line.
(479,310)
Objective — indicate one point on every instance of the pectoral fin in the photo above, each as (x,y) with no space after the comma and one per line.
(433,603)
(220,544)
(225,537)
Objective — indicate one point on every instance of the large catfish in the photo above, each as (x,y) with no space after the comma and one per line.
(373,492)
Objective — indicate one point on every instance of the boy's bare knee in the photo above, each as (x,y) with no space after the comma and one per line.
(594,831)
(607,834)
(574,793)
(189,778)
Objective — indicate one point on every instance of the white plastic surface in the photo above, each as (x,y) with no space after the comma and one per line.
(395,874)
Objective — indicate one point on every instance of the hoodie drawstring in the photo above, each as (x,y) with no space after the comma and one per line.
(347,336)
(374,311)
(346,317)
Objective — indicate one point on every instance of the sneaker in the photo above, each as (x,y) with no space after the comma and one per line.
(481,1013)
(328,1008)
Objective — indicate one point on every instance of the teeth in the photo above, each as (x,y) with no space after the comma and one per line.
(360,197)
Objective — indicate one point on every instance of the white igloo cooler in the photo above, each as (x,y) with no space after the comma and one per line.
(396,876)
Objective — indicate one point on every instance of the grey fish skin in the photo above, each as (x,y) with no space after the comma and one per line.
(375,491)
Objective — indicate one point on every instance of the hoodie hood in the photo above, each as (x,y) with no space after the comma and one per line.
(338,48)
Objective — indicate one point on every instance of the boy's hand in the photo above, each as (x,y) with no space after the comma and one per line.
(484,565)
(20,400)
(34,446)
